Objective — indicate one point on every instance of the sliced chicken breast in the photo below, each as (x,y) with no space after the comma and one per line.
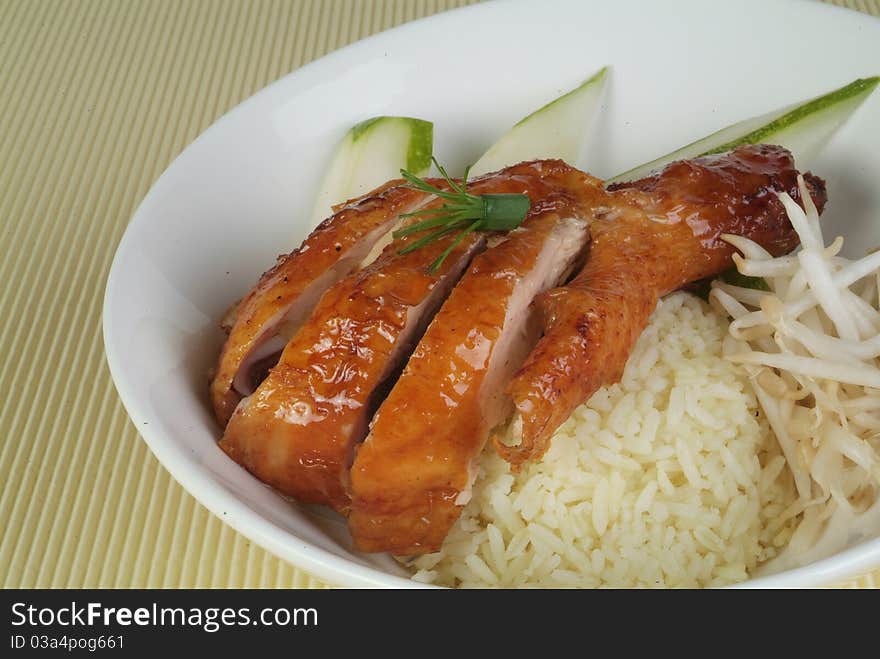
(650,237)
(414,472)
(285,295)
(298,430)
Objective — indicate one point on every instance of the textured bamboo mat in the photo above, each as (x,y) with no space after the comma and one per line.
(97,97)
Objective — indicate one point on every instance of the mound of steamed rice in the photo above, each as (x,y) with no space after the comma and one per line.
(670,478)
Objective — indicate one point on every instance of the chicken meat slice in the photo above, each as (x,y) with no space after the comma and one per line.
(413,474)
(299,428)
(650,237)
(273,310)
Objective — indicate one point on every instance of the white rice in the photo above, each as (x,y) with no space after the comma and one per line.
(670,478)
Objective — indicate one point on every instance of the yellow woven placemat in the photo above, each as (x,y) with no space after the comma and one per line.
(97,97)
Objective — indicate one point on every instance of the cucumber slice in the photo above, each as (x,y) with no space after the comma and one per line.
(802,128)
(557,130)
(371,153)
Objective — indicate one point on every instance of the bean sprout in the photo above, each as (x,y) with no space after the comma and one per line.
(812,348)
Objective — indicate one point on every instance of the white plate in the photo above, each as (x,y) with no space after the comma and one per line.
(239,195)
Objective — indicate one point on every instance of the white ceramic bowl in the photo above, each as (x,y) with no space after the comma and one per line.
(239,194)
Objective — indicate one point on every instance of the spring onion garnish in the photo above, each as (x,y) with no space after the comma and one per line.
(462,211)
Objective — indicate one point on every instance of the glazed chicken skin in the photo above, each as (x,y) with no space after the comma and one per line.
(297,432)
(413,473)
(650,238)
(286,295)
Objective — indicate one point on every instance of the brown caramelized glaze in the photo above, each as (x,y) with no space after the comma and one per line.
(293,286)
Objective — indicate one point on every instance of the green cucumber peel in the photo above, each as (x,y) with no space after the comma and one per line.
(558,129)
(371,153)
(802,128)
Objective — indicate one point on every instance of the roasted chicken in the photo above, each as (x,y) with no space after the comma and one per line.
(414,472)
(286,295)
(650,237)
(297,431)
(384,420)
